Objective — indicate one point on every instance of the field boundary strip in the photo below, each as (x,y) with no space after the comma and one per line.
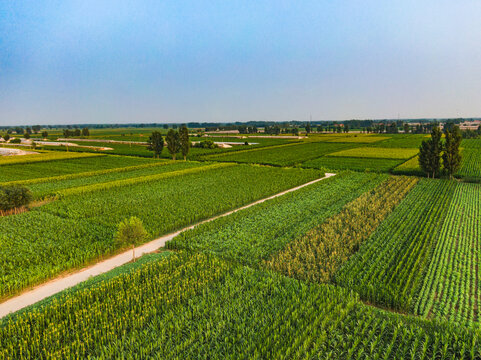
(61,283)
(86,174)
(226,153)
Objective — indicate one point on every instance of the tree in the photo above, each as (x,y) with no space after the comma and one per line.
(406,128)
(173,142)
(44,134)
(14,197)
(320,129)
(28,130)
(36,128)
(6,137)
(85,132)
(131,231)
(451,155)
(156,143)
(346,128)
(308,128)
(26,135)
(430,153)
(184,141)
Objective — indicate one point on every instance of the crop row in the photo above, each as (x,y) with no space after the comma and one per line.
(138,180)
(283,155)
(253,234)
(42,157)
(86,174)
(377,153)
(44,189)
(49,171)
(389,268)
(79,229)
(470,164)
(317,255)
(451,289)
(357,164)
(196,306)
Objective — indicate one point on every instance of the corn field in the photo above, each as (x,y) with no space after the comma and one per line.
(198,306)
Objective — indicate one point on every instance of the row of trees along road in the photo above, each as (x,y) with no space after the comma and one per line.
(176,141)
(432,151)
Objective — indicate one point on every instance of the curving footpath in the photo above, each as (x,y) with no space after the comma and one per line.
(55,286)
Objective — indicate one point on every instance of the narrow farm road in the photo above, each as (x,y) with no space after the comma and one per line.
(55,286)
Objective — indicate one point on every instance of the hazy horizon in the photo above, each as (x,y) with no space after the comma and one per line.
(82,62)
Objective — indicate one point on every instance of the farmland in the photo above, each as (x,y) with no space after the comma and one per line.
(375,261)
(191,306)
(389,268)
(251,235)
(79,228)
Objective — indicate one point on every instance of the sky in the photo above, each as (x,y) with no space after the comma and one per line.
(117,61)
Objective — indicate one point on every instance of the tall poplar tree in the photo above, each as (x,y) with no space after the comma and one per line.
(156,143)
(184,141)
(451,155)
(173,142)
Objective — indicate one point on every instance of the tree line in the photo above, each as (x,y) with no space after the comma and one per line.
(175,141)
(436,156)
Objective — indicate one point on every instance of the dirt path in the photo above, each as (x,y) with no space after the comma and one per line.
(57,285)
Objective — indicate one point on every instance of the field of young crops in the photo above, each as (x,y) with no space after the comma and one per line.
(198,306)
(411,141)
(42,157)
(389,268)
(252,235)
(318,254)
(356,164)
(377,153)
(55,170)
(452,287)
(77,229)
(286,155)
(470,164)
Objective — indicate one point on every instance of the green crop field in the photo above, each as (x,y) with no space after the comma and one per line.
(389,268)
(451,288)
(79,227)
(374,262)
(197,306)
(357,164)
(282,155)
(252,235)
(377,153)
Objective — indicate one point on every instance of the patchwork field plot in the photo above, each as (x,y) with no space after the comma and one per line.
(389,267)
(317,255)
(282,155)
(470,164)
(42,157)
(451,289)
(252,235)
(377,153)
(197,306)
(356,164)
(410,167)
(411,141)
(79,228)
(31,173)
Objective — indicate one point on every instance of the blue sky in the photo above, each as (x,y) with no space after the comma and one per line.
(177,61)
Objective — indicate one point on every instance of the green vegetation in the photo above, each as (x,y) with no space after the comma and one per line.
(318,254)
(451,287)
(286,155)
(356,164)
(252,235)
(53,171)
(197,306)
(131,231)
(389,267)
(41,157)
(13,197)
(78,229)
(470,164)
(377,153)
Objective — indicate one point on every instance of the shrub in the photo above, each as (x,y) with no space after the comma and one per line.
(131,231)
(14,196)
(15,141)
